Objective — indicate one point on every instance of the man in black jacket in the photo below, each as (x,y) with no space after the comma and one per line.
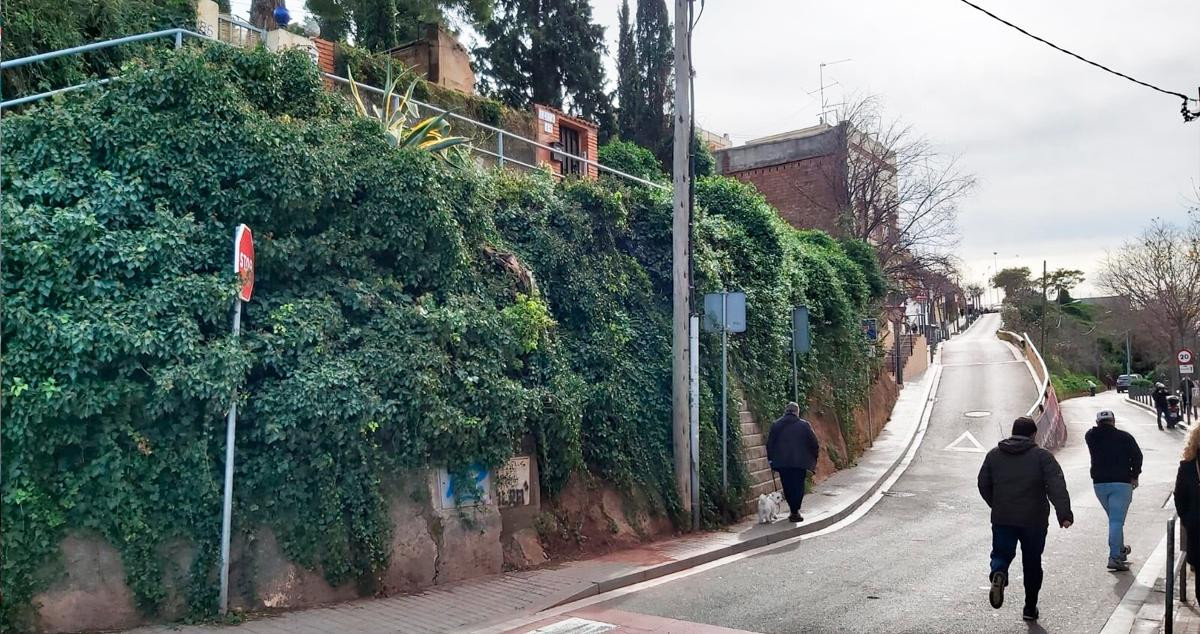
(1116,465)
(1159,396)
(792,451)
(1015,480)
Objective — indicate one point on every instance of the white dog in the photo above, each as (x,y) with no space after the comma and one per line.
(768,506)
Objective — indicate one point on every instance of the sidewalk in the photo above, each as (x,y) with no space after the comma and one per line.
(477,603)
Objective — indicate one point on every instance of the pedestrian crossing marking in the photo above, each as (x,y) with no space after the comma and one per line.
(973,445)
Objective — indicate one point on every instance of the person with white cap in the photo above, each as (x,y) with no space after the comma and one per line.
(1116,465)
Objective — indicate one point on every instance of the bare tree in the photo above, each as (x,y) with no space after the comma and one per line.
(1159,273)
(893,189)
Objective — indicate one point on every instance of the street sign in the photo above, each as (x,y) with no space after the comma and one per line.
(243,261)
(1186,369)
(1184,356)
(731,305)
(801,342)
(871,329)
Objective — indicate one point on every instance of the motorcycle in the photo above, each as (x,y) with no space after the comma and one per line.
(1174,411)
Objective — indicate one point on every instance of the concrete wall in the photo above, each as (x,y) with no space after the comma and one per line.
(440,59)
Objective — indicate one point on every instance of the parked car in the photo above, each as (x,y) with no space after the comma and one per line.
(1125,380)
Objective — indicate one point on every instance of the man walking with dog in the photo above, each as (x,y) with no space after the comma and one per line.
(1019,481)
(792,450)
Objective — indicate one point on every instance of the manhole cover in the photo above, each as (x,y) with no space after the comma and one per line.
(977,414)
(898,494)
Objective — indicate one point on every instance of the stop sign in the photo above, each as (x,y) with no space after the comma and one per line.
(243,260)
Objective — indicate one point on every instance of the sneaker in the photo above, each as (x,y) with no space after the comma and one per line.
(996,595)
(795,517)
(1030,613)
(1117,565)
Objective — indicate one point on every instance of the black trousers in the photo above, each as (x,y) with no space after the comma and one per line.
(1004,549)
(793,487)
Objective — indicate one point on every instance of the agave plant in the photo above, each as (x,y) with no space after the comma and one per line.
(401,120)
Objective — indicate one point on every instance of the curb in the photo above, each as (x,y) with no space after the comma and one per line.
(615,583)
(1146,407)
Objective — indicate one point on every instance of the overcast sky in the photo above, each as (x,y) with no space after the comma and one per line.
(1071,160)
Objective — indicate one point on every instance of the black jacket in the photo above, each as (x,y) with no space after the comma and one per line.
(1016,479)
(1116,456)
(1187,504)
(1160,397)
(792,444)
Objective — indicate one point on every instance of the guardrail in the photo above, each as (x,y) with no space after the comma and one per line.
(1052,430)
(1174,569)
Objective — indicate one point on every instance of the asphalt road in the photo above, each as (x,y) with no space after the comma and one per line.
(918,561)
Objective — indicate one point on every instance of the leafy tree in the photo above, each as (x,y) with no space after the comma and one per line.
(632,158)
(547,52)
(1059,283)
(654,64)
(629,75)
(378,25)
(1014,281)
(704,163)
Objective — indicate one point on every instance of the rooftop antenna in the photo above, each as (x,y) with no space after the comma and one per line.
(824,106)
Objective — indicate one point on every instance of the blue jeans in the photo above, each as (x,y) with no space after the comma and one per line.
(1004,549)
(1115,498)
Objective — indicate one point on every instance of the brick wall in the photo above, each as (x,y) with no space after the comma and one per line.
(804,191)
(547,122)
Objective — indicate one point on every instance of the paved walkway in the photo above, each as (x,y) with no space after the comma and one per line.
(475,604)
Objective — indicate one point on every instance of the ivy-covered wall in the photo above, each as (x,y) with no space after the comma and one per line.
(406,314)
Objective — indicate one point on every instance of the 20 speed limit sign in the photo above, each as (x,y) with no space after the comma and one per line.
(1185,357)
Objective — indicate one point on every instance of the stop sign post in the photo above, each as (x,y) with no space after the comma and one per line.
(243,267)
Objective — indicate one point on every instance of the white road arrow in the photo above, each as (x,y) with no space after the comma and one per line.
(966,442)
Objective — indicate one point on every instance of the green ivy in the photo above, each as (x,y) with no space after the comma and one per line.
(405,315)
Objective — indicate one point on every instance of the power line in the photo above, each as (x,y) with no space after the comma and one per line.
(1188,115)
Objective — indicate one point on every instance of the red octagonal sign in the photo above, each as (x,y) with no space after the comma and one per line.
(243,260)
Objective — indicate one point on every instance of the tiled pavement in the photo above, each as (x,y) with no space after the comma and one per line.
(477,603)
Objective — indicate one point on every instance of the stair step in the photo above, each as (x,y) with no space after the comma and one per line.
(757,464)
(745,416)
(760,488)
(750,428)
(751,440)
(760,475)
(752,452)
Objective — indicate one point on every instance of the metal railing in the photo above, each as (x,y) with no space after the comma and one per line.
(499,135)
(177,34)
(1174,569)
(236,32)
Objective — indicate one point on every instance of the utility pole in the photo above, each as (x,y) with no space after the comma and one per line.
(681,293)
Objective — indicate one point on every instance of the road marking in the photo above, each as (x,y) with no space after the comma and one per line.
(966,365)
(974,446)
(858,514)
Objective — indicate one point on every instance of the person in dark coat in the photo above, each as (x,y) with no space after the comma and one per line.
(1159,395)
(1019,481)
(1187,499)
(1116,465)
(792,450)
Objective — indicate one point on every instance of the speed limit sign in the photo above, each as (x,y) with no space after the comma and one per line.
(1184,356)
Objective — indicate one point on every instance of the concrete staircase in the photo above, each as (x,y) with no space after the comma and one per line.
(754,453)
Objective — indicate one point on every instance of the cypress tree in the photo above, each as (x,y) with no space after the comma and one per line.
(628,84)
(654,56)
(547,52)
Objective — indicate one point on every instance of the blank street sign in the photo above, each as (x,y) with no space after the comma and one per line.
(735,311)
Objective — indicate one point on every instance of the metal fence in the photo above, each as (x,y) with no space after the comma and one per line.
(490,144)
